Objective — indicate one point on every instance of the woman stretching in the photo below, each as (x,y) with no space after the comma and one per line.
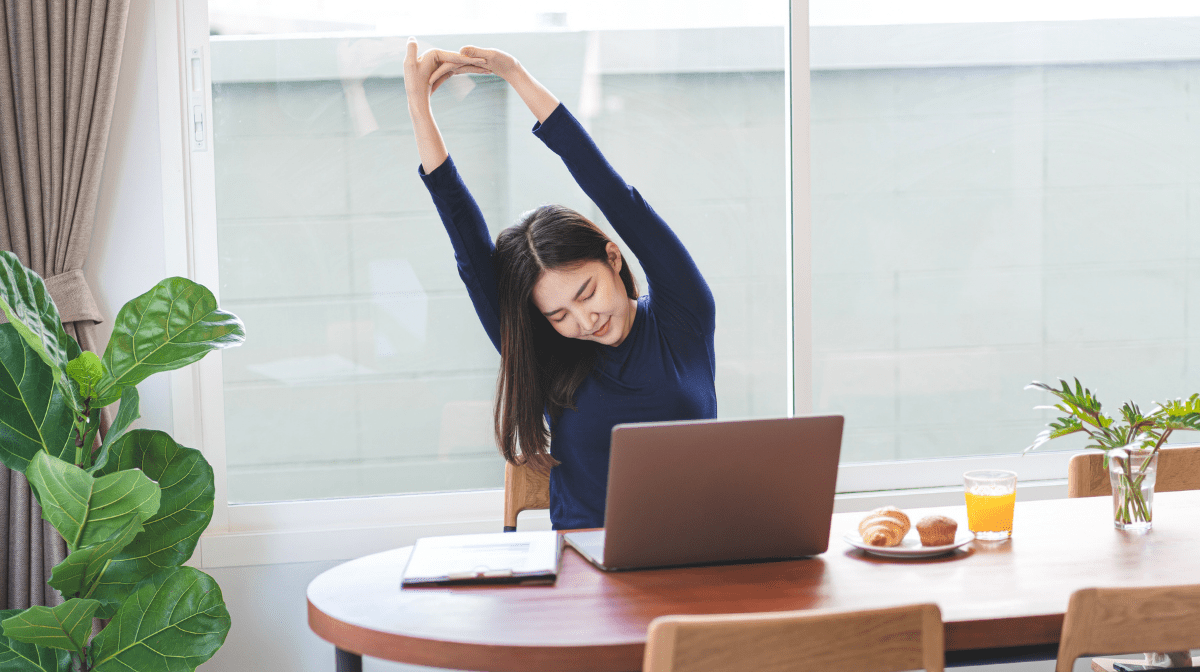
(580,351)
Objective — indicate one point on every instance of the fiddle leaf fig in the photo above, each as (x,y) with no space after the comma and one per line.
(66,626)
(27,304)
(86,370)
(175,621)
(126,414)
(21,657)
(185,510)
(33,413)
(78,573)
(132,515)
(87,510)
(172,325)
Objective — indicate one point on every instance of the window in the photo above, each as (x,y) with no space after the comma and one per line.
(999,193)
(366,371)
(1002,192)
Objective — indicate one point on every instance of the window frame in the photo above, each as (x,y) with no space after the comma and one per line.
(330,529)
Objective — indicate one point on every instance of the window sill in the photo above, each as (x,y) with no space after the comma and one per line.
(270,534)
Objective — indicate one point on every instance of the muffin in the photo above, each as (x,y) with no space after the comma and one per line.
(936,530)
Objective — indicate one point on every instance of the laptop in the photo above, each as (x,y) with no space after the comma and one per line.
(716,491)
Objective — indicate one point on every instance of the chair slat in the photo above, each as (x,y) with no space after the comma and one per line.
(880,640)
(524,490)
(1178,469)
(1124,620)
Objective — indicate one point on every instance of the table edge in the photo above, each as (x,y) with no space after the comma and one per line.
(472,656)
(959,636)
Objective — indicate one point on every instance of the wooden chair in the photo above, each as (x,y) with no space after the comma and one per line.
(1178,469)
(524,490)
(1120,620)
(880,640)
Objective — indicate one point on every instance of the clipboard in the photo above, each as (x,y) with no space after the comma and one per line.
(503,557)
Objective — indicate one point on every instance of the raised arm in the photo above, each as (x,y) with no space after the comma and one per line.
(676,284)
(422,76)
(458,210)
(537,98)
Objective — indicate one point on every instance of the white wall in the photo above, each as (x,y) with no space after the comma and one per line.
(127,257)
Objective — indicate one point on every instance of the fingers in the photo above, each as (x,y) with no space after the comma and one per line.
(410,54)
(443,71)
(442,56)
(435,66)
(440,81)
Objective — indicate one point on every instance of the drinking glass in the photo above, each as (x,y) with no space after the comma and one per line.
(991,495)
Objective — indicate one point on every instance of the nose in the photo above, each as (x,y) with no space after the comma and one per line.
(588,321)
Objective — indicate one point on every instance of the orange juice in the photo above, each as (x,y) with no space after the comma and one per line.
(990,513)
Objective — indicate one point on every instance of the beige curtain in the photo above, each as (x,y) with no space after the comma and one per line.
(58,79)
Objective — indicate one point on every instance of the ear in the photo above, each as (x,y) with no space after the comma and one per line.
(614,256)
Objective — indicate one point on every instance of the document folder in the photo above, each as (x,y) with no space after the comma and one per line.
(503,557)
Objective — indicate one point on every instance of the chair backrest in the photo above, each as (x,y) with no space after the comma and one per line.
(1125,620)
(524,489)
(1178,469)
(879,640)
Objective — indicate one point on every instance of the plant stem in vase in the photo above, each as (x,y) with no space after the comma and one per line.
(1132,473)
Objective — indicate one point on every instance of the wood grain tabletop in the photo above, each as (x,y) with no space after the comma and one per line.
(991,594)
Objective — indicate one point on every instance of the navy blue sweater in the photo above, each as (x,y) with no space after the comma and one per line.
(663,370)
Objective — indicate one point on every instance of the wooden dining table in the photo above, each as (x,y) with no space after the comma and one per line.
(998,599)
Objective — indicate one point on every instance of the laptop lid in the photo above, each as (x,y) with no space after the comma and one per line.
(713,491)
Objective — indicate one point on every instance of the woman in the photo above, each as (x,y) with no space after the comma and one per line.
(579,350)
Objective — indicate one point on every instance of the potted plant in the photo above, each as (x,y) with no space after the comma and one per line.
(132,506)
(1130,444)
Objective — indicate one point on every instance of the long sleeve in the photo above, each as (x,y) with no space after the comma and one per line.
(676,284)
(473,246)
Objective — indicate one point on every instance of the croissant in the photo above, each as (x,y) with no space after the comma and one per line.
(885,526)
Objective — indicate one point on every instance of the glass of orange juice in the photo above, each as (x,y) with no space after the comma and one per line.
(991,496)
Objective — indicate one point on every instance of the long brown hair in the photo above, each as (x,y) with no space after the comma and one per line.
(539,368)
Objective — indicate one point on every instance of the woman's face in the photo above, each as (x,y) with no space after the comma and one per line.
(587,301)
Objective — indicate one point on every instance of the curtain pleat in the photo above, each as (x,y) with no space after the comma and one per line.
(58,78)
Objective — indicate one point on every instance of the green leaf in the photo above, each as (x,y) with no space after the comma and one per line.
(1179,407)
(33,413)
(86,370)
(66,626)
(186,509)
(126,414)
(175,621)
(27,304)
(21,657)
(1187,422)
(174,324)
(77,574)
(87,510)
(1064,426)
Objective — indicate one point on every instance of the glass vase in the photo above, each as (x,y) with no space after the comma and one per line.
(1131,471)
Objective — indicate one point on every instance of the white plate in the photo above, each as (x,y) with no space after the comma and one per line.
(910,546)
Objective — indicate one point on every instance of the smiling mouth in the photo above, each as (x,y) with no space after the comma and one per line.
(602,330)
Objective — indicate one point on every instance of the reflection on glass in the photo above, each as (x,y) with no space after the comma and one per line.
(993,185)
(367,371)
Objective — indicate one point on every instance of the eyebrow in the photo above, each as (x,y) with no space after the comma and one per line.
(577,295)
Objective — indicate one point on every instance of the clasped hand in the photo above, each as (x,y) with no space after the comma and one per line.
(425,73)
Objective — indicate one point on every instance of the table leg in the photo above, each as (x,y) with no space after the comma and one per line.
(345,661)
